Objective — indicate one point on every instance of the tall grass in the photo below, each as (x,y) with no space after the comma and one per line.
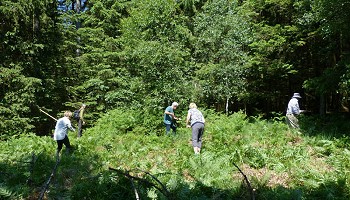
(279,163)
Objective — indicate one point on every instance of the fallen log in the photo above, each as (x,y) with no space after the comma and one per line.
(42,193)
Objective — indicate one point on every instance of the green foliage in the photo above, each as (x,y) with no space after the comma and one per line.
(220,50)
(154,41)
(222,54)
(17,96)
(5,193)
(320,85)
(105,186)
(31,71)
(324,22)
(278,162)
(116,122)
(139,56)
(334,15)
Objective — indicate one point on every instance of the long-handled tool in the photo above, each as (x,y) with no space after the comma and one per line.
(47,114)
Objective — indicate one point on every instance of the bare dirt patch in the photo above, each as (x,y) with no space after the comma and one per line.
(271,178)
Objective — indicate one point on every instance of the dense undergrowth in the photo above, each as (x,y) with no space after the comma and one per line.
(279,163)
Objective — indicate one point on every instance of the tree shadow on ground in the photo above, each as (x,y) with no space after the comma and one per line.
(24,177)
(76,179)
(329,190)
(199,191)
(336,125)
(121,188)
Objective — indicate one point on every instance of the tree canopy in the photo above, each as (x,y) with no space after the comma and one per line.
(225,54)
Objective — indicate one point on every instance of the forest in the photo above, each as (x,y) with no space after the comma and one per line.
(240,61)
(225,54)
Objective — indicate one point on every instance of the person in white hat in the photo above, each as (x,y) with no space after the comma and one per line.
(293,111)
(169,118)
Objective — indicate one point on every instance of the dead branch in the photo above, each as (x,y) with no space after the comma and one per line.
(135,190)
(42,193)
(158,181)
(251,190)
(127,174)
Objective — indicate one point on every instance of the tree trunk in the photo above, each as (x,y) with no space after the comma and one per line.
(77,10)
(226,107)
(322,104)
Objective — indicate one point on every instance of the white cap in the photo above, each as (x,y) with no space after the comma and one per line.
(296,95)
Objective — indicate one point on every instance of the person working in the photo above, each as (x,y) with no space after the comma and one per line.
(80,119)
(169,118)
(293,111)
(196,121)
(61,132)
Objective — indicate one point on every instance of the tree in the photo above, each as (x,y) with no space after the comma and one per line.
(332,19)
(28,54)
(101,80)
(154,47)
(220,52)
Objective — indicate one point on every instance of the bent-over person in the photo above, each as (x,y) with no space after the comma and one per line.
(196,121)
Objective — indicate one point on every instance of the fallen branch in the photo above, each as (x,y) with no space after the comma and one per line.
(163,190)
(251,190)
(42,193)
(135,190)
(158,181)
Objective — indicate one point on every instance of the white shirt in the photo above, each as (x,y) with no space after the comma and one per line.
(293,107)
(61,129)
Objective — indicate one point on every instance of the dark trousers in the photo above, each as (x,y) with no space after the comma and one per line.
(80,128)
(170,126)
(60,143)
(197,133)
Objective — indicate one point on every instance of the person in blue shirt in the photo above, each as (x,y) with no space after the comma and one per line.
(169,118)
(293,111)
(61,132)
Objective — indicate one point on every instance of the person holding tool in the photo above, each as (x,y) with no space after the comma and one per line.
(79,116)
(61,132)
(169,118)
(293,111)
